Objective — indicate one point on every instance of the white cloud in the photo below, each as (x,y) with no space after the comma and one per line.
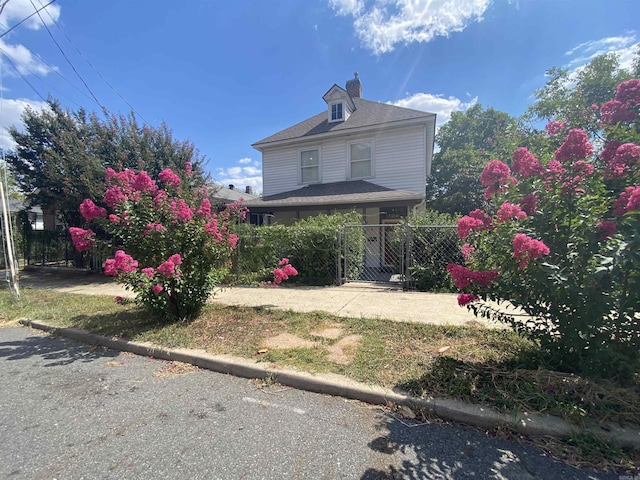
(438,104)
(384,24)
(347,7)
(624,46)
(16,10)
(242,176)
(11,116)
(23,60)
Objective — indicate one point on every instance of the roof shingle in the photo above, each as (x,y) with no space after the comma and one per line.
(367,114)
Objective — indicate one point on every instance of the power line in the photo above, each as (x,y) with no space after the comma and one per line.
(27,18)
(10,57)
(51,68)
(23,77)
(92,67)
(65,55)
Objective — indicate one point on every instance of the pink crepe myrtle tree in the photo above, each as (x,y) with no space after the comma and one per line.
(174,247)
(561,241)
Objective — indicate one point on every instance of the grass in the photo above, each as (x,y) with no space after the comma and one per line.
(472,363)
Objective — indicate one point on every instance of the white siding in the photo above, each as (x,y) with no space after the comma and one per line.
(399,161)
(279,170)
(334,166)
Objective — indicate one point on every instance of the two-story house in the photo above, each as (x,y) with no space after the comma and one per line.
(357,154)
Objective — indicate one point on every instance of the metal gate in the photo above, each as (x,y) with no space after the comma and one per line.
(415,256)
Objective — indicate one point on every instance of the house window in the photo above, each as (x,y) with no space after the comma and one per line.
(336,112)
(360,160)
(309,166)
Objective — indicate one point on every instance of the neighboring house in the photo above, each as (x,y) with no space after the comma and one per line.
(225,195)
(34,214)
(355,155)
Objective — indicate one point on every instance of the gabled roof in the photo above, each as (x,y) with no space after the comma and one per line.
(338,193)
(341,92)
(367,114)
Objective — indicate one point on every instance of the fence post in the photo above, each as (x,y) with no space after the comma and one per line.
(338,260)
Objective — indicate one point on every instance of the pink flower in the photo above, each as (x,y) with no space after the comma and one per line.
(465,298)
(90,210)
(205,209)
(176,259)
(496,176)
(188,168)
(525,164)
(169,178)
(628,93)
(626,156)
(120,263)
(167,268)
(509,211)
(160,198)
(554,127)
(526,249)
(467,251)
(154,227)
(289,270)
(575,147)
(149,272)
(607,228)
(211,228)
(233,240)
(144,183)
(114,219)
(555,170)
(118,299)
(114,195)
(465,277)
(615,111)
(284,261)
(181,211)
(628,201)
(529,204)
(82,239)
(157,289)
(476,221)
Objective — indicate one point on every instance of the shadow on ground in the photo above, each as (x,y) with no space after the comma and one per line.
(412,451)
(52,349)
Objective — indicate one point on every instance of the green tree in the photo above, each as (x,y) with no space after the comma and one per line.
(569,97)
(467,142)
(61,156)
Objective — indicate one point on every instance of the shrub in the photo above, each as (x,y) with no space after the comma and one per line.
(311,245)
(561,241)
(174,248)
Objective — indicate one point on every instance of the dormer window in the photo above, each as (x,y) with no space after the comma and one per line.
(336,112)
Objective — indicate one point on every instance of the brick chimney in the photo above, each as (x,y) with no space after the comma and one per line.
(248,190)
(354,87)
(231,187)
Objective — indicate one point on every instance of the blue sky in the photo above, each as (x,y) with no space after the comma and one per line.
(225,74)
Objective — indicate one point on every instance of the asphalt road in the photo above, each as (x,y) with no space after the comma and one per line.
(69,411)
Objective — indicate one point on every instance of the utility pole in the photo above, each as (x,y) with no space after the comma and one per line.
(7,239)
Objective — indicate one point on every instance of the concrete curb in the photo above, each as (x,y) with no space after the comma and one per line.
(337,385)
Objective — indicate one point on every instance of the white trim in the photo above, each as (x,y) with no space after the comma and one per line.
(371,143)
(299,164)
(343,108)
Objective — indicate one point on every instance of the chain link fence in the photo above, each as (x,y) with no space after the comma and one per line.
(416,256)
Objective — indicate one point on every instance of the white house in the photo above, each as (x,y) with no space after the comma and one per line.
(357,154)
